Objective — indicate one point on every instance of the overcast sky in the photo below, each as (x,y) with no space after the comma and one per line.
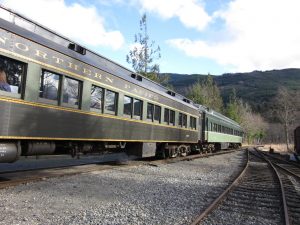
(195,36)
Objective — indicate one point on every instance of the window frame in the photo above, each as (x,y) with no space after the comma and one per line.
(80,85)
(172,115)
(167,118)
(105,110)
(131,107)
(193,123)
(102,100)
(46,100)
(154,114)
(184,120)
(22,83)
(137,117)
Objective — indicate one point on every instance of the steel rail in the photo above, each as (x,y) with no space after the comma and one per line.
(170,160)
(221,197)
(287,171)
(285,209)
(281,167)
(282,160)
(14,178)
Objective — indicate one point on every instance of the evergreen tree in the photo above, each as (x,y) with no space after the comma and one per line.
(233,109)
(206,93)
(144,53)
(252,123)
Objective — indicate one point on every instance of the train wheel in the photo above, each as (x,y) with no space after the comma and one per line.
(211,148)
(184,150)
(173,152)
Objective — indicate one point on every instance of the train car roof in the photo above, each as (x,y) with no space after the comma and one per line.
(45,36)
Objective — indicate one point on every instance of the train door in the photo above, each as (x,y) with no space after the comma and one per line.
(203,126)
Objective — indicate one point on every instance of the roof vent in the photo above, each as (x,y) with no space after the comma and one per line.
(186,100)
(77,48)
(171,93)
(137,77)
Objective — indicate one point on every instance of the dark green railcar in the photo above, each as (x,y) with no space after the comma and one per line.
(57,96)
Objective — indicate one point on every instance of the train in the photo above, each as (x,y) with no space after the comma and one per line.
(58,97)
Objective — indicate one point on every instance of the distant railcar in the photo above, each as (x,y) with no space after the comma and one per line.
(57,96)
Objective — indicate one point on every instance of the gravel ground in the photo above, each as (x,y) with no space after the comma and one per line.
(166,194)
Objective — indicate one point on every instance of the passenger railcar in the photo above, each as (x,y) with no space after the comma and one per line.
(57,96)
(220,132)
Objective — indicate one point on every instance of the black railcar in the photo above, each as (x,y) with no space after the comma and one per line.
(57,96)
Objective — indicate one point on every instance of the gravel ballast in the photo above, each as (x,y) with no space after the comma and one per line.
(165,194)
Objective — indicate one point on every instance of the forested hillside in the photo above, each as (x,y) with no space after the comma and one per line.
(257,88)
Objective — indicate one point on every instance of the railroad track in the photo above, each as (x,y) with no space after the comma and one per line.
(257,196)
(290,175)
(290,167)
(14,178)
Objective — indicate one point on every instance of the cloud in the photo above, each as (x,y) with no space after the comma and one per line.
(191,13)
(259,35)
(75,21)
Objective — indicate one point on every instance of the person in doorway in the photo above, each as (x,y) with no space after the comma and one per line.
(4,86)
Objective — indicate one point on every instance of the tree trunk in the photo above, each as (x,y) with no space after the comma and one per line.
(286,136)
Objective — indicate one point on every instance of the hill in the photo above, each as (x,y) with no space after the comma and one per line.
(258,88)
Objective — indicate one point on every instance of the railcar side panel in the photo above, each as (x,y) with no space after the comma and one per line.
(36,121)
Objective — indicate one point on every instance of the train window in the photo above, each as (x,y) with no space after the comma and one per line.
(12,74)
(127,106)
(157,113)
(71,92)
(172,117)
(167,116)
(180,119)
(184,120)
(193,122)
(97,98)
(137,108)
(111,102)
(49,85)
(150,110)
